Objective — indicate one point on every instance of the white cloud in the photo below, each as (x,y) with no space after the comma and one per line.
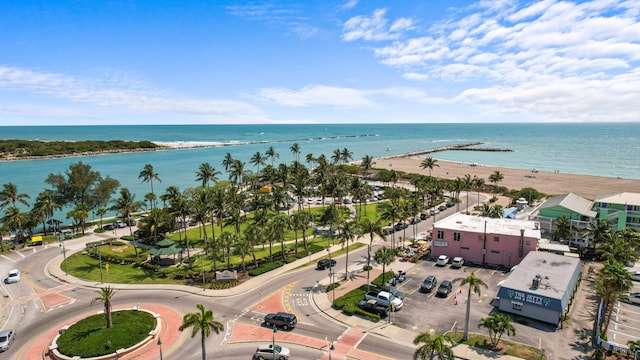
(375,27)
(551,58)
(112,92)
(316,95)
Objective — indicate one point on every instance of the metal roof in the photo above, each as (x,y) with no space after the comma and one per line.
(624,198)
(571,202)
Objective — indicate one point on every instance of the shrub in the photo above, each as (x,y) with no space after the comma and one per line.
(367,315)
(333,286)
(265,268)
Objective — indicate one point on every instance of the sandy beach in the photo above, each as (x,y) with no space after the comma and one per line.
(550,183)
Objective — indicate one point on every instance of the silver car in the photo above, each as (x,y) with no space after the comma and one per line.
(266,352)
(6,338)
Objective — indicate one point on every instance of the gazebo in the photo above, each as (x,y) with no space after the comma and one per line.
(165,247)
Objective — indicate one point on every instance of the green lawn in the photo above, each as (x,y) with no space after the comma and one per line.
(89,337)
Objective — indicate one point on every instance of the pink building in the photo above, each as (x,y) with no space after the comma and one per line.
(483,240)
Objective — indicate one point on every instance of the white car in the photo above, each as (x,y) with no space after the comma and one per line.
(442,260)
(14,276)
(635,275)
(457,262)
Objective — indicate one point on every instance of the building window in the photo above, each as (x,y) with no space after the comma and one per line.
(495,251)
(440,235)
(516,305)
(496,239)
(480,238)
(527,242)
(456,236)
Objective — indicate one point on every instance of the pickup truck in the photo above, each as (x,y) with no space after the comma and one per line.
(373,307)
(392,290)
(385,299)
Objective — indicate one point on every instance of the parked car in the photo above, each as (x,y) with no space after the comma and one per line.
(442,260)
(402,276)
(119,224)
(392,291)
(442,207)
(635,275)
(401,225)
(6,338)
(450,203)
(13,276)
(424,216)
(108,227)
(284,320)
(414,220)
(373,307)
(434,211)
(319,201)
(633,298)
(428,284)
(131,222)
(457,262)
(445,288)
(271,351)
(388,230)
(346,201)
(325,263)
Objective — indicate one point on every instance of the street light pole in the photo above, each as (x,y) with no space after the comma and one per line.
(273,341)
(202,262)
(64,254)
(159,343)
(331,348)
(100,260)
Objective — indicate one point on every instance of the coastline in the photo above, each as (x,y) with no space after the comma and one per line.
(549,183)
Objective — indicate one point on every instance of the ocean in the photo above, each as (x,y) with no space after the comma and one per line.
(599,149)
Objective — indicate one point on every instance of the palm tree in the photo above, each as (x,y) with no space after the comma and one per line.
(257,160)
(242,247)
(478,184)
(279,224)
(47,205)
(497,325)
(346,234)
(429,163)
(272,154)
(295,149)
(125,205)
(346,155)
(148,174)
(365,164)
(10,196)
(563,227)
(474,288)
(384,256)
(105,295)
(227,161)
(201,322)
(435,347)
(495,178)
(597,230)
(371,228)
(467,184)
(207,173)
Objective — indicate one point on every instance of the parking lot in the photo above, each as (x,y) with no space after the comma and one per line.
(625,320)
(426,312)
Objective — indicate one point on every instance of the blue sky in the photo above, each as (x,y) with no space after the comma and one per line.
(82,62)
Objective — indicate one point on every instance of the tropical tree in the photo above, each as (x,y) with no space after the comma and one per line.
(125,205)
(207,173)
(105,295)
(10,196)
(14,220)
(384,256)
(563,227)
(612,280)
(46,206)
(295,149)
(366,163)
(242,247)
(257,160)
(148,174)
(271,154)
(437,346)
(346,234)
(203,323)
(597,230)
(429,163)
(495,178)
(497,325)
(82,187)
(279,225)
(478,184)
(474,283)
(371,228)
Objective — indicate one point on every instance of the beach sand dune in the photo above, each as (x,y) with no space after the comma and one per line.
(550,183)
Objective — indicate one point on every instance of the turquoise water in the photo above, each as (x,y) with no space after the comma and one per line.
(595,149)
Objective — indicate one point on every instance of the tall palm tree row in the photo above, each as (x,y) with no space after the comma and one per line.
(148,174)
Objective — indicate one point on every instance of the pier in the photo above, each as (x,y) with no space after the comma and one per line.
(457,147)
